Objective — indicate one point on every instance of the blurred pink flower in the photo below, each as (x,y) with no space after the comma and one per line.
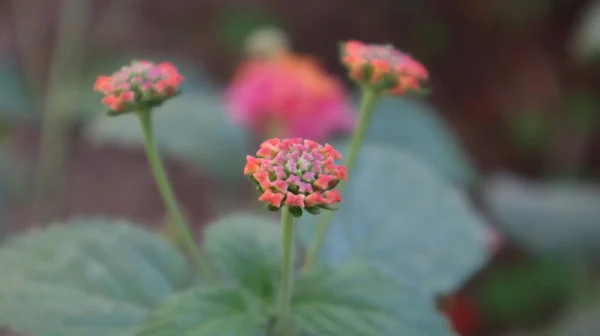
(289,96)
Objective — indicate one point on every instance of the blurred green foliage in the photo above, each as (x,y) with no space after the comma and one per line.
(586,39)
(583,320)
(581,108)
(522,292)
(235,24)
(530,130)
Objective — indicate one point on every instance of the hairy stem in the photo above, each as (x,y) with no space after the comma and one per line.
(287,275)
(369,99)
(177,219)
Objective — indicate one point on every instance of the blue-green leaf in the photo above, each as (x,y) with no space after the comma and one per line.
(545,217)
(357,300)
(417,128)
(210,311)
(403,218)
(585,43)
(247,249)
(193,127)
(15,102)
(90,277)
(583,320)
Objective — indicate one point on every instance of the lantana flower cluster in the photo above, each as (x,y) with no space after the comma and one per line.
(289,96)
(383,68)
(141,84)
(299,174)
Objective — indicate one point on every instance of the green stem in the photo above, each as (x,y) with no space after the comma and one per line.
(177,220)
(287,275)
(369,99)
(65,69)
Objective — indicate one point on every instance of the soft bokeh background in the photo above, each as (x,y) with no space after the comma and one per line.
(512,119)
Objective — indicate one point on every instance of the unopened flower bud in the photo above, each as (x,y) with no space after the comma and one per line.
(140,85)
(382,67)
(299,174)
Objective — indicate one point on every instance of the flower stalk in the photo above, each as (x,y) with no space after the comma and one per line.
(287,274)
(177,221)
(294,176)
(369,100)
(65,68)
(379,70)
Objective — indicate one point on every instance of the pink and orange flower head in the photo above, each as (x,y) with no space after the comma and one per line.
(140,85)
(289,96)
(298,173)
(383,68)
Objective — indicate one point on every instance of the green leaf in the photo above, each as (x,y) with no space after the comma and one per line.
(545,217)
(247,249)
(15,102)
(583,320)
(210,311)
(404,219)
(416,127)
(193,127)
(585,43)
(356,300)
(89,277)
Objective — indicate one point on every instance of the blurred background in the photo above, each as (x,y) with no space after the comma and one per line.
(512,119)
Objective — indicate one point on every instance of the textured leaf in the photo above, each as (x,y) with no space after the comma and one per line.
(545,217)
(586,38)
(356,300)
(211,311)
(417,128)
(193,127)
(403,218)
(90,277)
(247,248)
